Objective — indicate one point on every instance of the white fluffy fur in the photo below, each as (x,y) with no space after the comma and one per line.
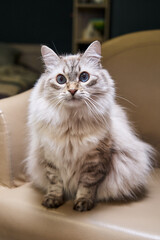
(56,126)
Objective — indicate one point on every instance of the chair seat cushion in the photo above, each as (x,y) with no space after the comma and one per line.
(23,217)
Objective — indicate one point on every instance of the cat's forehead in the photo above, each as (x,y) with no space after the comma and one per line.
(71,63)
(71,66)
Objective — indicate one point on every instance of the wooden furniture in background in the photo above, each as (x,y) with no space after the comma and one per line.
(83,13)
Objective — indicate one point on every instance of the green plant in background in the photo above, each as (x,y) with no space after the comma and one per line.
(98,24)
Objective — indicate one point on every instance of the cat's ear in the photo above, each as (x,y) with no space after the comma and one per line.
(50,58)
(93,51)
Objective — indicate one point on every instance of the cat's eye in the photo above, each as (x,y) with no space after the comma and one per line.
(84,77)
(61,79)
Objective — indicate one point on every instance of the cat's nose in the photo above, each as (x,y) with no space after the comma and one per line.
(72,91)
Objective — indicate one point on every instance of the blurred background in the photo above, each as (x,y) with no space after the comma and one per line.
(65,26)
(50,21)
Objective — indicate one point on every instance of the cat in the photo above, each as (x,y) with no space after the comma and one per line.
(81,144)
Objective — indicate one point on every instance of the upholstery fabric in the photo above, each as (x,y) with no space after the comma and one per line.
(23,217)
(5,165)
(13,140)
(133,60)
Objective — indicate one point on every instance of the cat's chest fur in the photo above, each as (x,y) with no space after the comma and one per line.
(67,145)
(70,141)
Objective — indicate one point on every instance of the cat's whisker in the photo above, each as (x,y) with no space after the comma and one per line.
(126,100)
(97,93)
(97,103)
(95,111)
(58,103)
(93,104)
(91,110)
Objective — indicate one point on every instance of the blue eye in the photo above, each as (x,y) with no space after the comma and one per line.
(61,79)
(84,77)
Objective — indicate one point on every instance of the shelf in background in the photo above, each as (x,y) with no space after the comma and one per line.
(91,5)
(85,16)
(88,41)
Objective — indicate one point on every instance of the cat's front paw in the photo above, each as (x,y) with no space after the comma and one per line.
(50,201)
(83,204)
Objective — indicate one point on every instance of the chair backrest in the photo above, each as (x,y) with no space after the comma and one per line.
(133,61)
(13,139)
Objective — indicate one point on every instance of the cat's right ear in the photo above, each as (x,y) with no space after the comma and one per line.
(50,58)
(93,53)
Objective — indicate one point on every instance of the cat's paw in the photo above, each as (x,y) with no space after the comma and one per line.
(83,204)
(50,201)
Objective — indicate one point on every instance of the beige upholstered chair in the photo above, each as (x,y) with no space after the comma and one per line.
(133,60)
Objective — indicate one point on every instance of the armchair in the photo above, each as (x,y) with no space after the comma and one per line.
(133,60)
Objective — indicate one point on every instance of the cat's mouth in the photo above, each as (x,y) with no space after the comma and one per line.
(73,101)
(74,98)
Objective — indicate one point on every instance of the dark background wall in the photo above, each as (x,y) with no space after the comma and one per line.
(134,15)
(37,21)
(50,21)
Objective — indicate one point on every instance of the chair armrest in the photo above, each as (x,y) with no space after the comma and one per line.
(13,137)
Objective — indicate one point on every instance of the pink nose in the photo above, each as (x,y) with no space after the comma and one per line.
(72,91)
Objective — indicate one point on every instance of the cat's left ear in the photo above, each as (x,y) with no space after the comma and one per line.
(93,51)
(50,58)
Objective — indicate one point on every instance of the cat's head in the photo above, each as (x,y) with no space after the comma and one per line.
(76,80)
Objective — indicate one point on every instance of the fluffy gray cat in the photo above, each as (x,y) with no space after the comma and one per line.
(81,143)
